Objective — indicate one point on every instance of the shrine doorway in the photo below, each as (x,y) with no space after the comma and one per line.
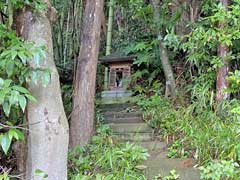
(119,79)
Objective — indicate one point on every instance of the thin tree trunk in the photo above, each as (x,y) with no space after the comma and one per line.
(109,40)
(10,14)
(77,39)
(48,137)
(109,30)
(168,72)
(82,120)
(66,41)
(222,72)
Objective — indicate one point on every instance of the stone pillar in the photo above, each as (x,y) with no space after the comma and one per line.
(106,79)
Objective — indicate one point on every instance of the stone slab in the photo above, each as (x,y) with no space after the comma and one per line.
(130,128)
(122,114)
(124,120)
(116,94)
(153,146)
(133,137)
(115,107)
(160,164)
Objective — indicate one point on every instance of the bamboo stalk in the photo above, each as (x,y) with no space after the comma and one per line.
(66,41)
(110,25)
(109,40)
(10,14)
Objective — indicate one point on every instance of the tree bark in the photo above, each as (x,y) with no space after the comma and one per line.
(20,151)
(168,72)
(222,72)
(48,126)
(82,119)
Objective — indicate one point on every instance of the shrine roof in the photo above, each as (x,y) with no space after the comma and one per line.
(116,58)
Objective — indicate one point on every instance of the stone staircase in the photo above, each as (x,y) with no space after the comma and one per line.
(128,125)
(126,122)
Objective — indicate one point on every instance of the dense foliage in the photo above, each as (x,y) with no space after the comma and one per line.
(194,124)
(15,73)
(106,159)
(197,131)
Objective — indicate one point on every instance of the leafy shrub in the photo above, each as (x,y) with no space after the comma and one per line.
(234,81)
(159,113)
(15,56)
(15,73)
(221,170)
(202,131)
(105,159)
(172,176)
(175,150)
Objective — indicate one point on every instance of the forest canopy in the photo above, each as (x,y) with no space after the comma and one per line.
(176,61)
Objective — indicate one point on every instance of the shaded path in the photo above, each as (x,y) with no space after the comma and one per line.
(128,125)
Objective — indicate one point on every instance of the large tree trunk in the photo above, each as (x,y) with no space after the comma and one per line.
(168,72)
(48,126)
(82,120)
(222,72)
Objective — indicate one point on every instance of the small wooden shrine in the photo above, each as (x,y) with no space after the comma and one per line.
(117,72)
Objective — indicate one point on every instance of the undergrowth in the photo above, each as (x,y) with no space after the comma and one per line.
(105,159)
(203,130)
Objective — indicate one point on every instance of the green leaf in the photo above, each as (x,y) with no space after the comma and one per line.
(141,167)
(22,102)
(10,67)
(7,83)
(2,97)
(18,135)
(21,89)
(6,108)
(13,100)
(22,57)
(140,46)
(5,143)
(31,98)
(13,54)
(4,176)
(40,173)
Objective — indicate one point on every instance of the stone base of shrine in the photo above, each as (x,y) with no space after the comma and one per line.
(116,96)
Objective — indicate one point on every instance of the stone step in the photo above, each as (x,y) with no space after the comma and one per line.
(116,94)
(124,120)
(153,145)
(160,164)
(123,117)
(133,137)
(131,128)
(116,107)
(122,114)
